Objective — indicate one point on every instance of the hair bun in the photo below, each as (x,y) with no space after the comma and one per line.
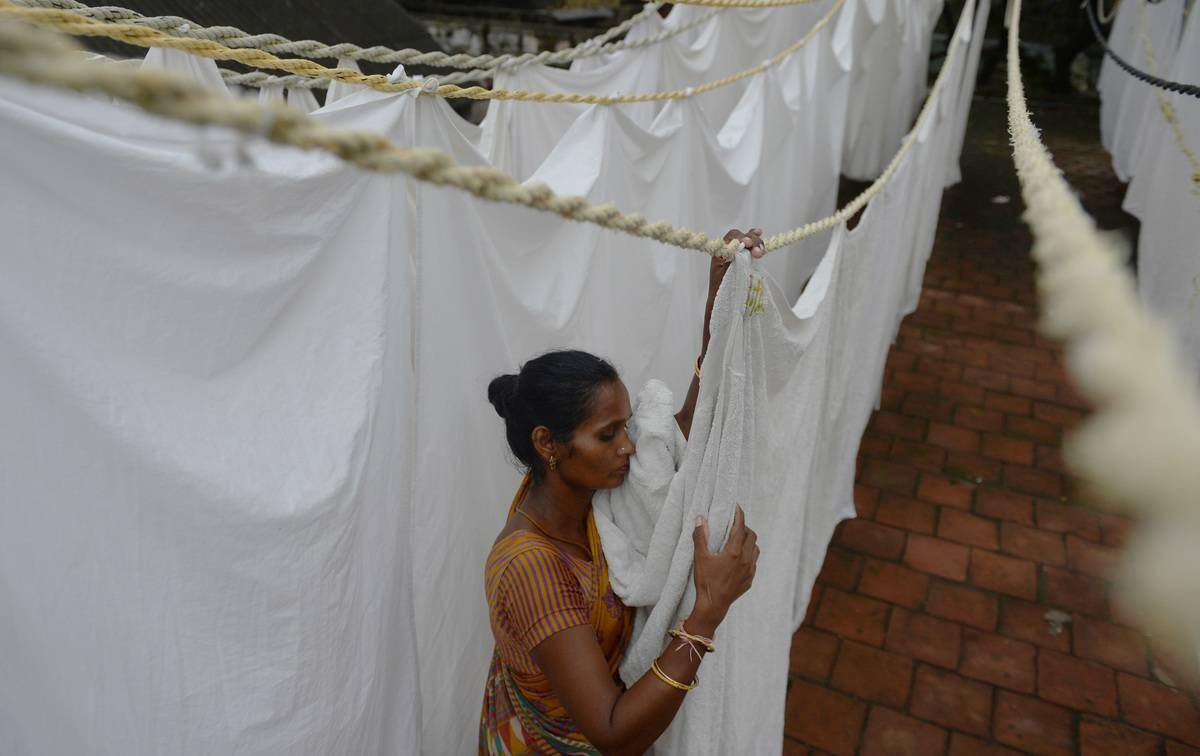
(502,392)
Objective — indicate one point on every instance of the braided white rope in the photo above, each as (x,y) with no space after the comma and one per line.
(1140,448)
(480,66)
(1165,106)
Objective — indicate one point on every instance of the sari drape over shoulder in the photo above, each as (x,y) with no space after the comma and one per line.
(535,588)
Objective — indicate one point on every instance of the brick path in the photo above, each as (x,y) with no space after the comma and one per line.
(928,632)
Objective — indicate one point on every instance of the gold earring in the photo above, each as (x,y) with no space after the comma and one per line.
(553,462)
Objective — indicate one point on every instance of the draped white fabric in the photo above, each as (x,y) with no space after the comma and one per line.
(1127,106)
(250,476)
(1162,193)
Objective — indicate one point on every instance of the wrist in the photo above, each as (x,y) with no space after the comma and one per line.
(703,622)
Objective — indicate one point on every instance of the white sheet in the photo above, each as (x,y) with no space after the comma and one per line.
(247,402)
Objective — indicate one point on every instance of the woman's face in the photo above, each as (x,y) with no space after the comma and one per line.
(600,447)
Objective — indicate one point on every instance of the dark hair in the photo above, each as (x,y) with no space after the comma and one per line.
(555,390)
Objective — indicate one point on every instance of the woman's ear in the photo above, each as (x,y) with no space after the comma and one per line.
(543,442)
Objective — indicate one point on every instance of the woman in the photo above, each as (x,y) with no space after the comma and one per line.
(559,629)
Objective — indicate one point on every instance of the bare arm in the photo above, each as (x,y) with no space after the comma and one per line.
(628,722)
(752,241)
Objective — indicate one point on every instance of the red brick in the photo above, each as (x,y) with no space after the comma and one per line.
(891,398)
(915,381)
(944,491)
(973,467)
(841,569)
(1114,530)
(866,499)
(1104,737)
(875,444)
(1078,593)
(979,419)
(823,718)
(872,674)
(1031,428)
(794,747)
(1033,389)
(1015,450)
(985,379)
(1067,518)
(1119,647)
(1027,622)
(1033,544)
(1078,684)
(919,455)
(953,438)
(1004,505)
(963,604)
(923,637)
(940,368)
(870,538)
(962,393)
(1033,726)
(1007,403)
(928,406)
(812,654)
(891,582)
(900,426)
(852,616)
(1003,574)
(998,660)
(952,701)
(937,557)
(965,745)
(1175,748)
(1057,414)
(908,514)
(1159,708)
(892,734)
(814,600)
(1049,458)
(968,358)
(1032,480)
(890,476)
(897,360)
(1012,364)
(1091,558)
(966,528)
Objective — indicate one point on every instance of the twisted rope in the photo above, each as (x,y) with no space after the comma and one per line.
(43,57)
(74,24)
(1191,90)
(1140,445)
(481,66)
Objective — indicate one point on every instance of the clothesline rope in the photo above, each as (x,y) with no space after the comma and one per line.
(1191,90)
(71,23)
(480,66)
(1165,106)
(1140,444)
(46,58)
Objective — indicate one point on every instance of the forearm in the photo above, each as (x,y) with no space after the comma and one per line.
(642,713)
(684,417)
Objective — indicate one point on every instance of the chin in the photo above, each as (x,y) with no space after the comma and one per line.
(612,481)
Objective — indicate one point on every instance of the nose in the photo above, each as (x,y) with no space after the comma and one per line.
(628,448)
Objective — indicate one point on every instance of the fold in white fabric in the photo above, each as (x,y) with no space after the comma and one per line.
(251,476)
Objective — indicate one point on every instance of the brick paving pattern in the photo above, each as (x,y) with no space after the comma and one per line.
(967,610)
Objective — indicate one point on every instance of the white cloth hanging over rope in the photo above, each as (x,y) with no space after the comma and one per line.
(261,394)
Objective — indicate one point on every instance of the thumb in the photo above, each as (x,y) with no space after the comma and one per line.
(700,536)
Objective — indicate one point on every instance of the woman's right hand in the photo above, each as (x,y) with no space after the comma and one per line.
(721,577)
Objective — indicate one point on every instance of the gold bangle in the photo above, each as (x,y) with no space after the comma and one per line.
(667,678)
(697,367)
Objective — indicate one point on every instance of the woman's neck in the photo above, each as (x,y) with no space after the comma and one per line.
(561,508)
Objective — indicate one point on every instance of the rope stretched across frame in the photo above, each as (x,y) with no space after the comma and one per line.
(478,66)
(42,57)
(76,25)
(1139,446)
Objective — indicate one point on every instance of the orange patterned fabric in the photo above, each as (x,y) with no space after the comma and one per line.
(535,588)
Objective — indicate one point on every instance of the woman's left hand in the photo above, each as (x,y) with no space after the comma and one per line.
(751,240)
